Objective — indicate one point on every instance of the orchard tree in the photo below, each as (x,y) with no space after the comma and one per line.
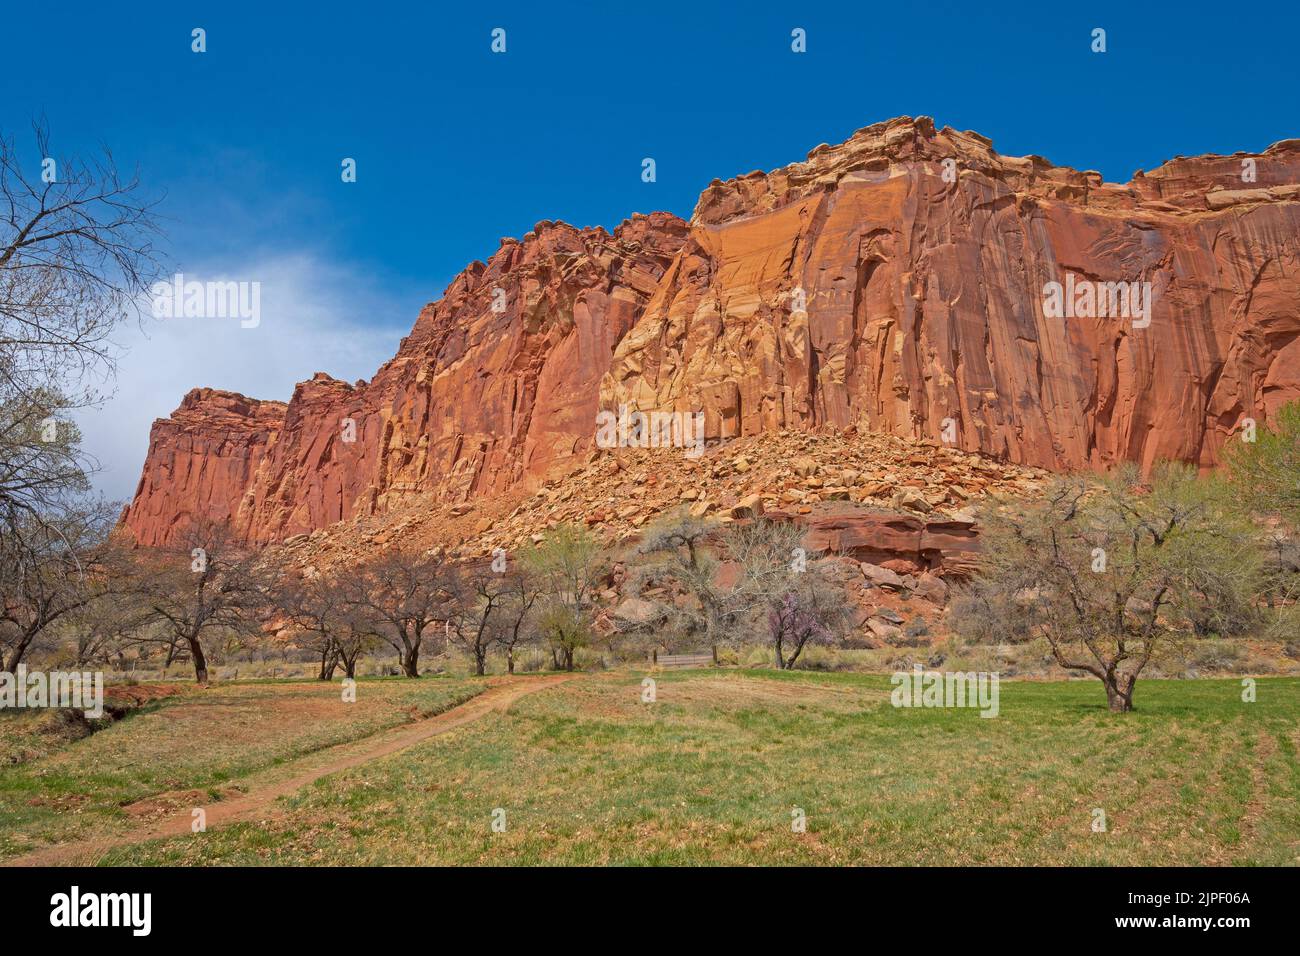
(807,610)
(325,617)
(678,554)
(206,585)
(782,584)
(1112,572)
(406,597)
(516,625)
(476,609)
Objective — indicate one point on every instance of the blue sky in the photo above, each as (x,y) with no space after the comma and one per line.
(457,146)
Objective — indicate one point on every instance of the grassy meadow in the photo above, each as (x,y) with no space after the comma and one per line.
(187,749)
(712,772)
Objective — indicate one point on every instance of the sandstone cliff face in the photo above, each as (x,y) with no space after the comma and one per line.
(890,283)
(496,382)
(202,462)
(922,300)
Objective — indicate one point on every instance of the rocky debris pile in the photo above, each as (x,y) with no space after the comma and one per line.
(859,493)
(894,517)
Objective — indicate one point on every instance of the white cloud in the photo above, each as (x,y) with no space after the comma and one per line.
(312,319)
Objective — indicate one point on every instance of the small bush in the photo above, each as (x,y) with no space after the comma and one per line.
(1215,655)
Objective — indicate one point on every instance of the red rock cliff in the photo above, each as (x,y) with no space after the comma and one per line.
(924,301)
(497,382)
(921,257)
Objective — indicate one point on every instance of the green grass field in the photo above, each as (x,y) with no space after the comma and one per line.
(196,741)
(710,773)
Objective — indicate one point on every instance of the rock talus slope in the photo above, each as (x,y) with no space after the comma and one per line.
(891,284)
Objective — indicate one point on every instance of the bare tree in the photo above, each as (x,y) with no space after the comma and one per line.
(475,611)
(354,636)
(516,624)
(774,584)
(209,585)
(405,595)
(76,257)
(51,569)
(315,608)
(680,552)
(1110,572)
(103,630)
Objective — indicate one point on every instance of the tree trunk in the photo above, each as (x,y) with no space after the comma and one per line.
(479,661)
(411,662)
(510,661)
(1120,700)
(568,658)
(200,662)
(16,658)
(329,660)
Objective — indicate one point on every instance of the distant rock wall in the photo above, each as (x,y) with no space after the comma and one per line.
(475,400)
(894,283)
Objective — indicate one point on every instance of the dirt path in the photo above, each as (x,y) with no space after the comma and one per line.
(258,802)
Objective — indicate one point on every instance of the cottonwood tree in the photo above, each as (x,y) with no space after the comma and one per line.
(565,630)
(207,585)
(1265,474)
(407,597)
(76,256)
(1113,572)
(568,565)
